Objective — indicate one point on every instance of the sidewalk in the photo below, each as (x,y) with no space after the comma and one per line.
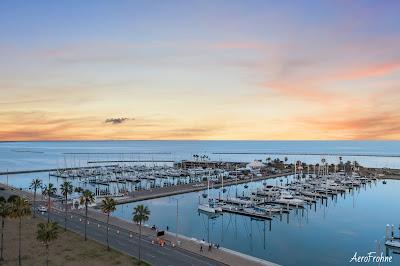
(222,255)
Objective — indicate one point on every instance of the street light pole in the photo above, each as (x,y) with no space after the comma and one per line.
(177,218)
(176,222)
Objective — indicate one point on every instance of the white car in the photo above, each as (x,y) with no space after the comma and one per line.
(42,209)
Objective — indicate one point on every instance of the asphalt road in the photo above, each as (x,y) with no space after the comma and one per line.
(128,242)
(120,239)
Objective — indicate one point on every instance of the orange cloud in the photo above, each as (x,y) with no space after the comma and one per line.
(381,125)
(370,71)
(302,91)
(18,126)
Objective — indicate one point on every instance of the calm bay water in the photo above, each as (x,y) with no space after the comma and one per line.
(327,235)
(37,155)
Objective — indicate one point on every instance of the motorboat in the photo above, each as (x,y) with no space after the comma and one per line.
(287,198)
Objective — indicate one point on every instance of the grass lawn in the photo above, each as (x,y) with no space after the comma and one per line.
(69,249)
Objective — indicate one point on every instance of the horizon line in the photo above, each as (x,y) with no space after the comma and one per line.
(266,140)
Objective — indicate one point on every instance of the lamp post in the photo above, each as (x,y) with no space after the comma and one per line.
(177,217)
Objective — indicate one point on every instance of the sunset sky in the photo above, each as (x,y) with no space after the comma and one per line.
(265,70)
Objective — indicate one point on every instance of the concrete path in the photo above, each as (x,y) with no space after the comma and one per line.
(124,237)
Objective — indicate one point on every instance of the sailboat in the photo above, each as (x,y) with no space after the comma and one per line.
(211,206)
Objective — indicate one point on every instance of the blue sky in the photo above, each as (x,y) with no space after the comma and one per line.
(199,69)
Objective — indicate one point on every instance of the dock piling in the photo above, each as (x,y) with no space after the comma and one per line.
(387,232)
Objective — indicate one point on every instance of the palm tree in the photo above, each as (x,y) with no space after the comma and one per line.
(348,168)
(108,206)
(4,212)
(86,198)
(46,233)
(66,188)
(140,214)
(12,198)
(323,160)
(49,191)
(35,184)
(20,208)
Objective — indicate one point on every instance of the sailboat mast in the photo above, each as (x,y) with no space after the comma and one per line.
(222,176)
(208,184)
(236,182)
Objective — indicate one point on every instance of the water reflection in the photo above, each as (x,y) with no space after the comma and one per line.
(334,227)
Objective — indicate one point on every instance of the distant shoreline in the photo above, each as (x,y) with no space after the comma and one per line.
(308,154)
(207,140)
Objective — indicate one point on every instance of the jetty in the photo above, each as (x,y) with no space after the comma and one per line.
(185,188)
(16,172)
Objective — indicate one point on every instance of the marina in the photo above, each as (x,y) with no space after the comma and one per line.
(255,207)
(200,133)
(287,227)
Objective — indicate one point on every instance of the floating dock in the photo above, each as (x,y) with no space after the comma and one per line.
(246,213)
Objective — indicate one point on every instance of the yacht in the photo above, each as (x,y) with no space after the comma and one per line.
(210,207)
(286,198)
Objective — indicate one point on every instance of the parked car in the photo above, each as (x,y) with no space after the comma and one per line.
(42,209)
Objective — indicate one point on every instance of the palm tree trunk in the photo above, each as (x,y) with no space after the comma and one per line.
(47,254)
(86,207)
(2,237)
(34,203)
(108,218)
(48,210)
(140,238)
(19,241)
(65,218)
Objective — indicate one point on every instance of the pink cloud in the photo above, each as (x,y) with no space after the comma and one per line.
(370,71)
(239,45)
(301,90)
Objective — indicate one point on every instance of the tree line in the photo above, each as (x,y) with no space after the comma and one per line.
(16,207)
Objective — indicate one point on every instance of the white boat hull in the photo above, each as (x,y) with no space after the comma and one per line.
(206,208)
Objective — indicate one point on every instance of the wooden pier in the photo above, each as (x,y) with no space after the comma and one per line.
(250,214)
